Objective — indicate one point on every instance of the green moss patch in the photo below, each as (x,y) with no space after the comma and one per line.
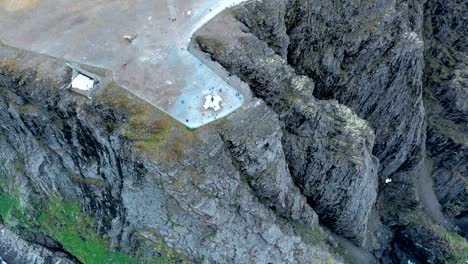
(453,248)
(7,202)
(28,109)
(9,66)
(458,247)
(65,222)
(309,235)
(88,181)
(153,132)
(168,254)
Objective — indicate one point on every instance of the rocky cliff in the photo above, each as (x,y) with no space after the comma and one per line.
(398,66)
(341,96)
(113,180)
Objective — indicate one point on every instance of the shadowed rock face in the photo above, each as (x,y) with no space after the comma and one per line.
(335,107)
(366,55)
(222,194)
(370,57)
(446,97)
(327,147)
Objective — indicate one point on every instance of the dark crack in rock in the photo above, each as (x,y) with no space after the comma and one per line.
(328,148)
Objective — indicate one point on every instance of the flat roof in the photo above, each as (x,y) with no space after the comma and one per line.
(156,66)
(82,82)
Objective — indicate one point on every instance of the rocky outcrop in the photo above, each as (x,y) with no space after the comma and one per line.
(370,57)
(262,164)
(446,98)
(14,249)
(343,96)
(144,184)
(266,20)
(327,147)
(334,42)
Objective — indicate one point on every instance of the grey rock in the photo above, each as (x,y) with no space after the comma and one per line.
(370,57)
(14,249)
(328,148)
(336,86)
(262,161)
(366,55)
(188,199)
(446,100)
(266,19)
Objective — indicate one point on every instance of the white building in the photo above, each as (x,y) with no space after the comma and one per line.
(83,83)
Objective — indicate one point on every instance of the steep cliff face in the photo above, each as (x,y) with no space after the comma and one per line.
(326,145)
(113,180)
(342,96)
(347,47)
(446,97)
(371,57)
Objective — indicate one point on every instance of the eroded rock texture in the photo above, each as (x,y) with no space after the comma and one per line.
(368,55)
(327,146)
(342,96)
(446,97)
(399,67)
(155,189)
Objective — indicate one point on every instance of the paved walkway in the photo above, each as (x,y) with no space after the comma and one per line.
(156,66)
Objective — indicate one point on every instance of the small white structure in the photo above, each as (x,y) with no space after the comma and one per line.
(83,83)
(212,101)
(388,180)
(130,38)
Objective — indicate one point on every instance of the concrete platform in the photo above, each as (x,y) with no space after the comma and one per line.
(155,66)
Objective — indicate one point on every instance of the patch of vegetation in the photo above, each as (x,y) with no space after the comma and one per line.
(439,69)
(328,260)
(212,45)
(10,208)
(457,204)
(309,235)
(167,254)
(75,230)
(28,109)
(98,71)
(7,202)
(313,236)
(65,222)
(458,247)
(88,181)
(374,23)
(344,253)
(244,178)
(234,11)
(9,66)
(453,248)
(153,132)
(454,131)
(188,177)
